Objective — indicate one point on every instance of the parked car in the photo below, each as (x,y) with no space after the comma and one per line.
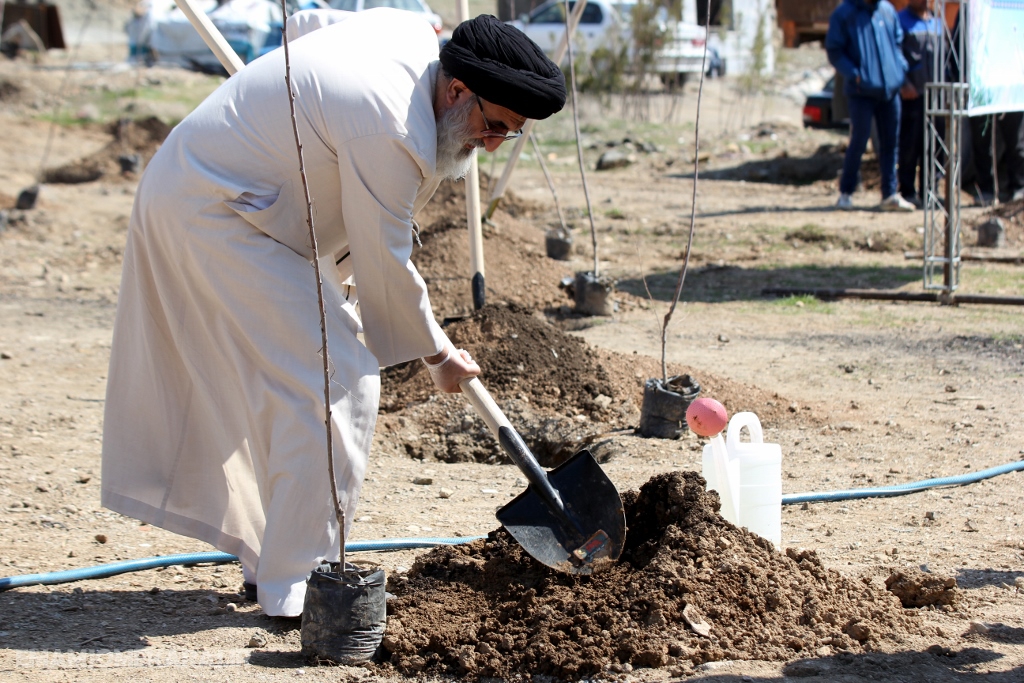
(609,24)
(417,6)
(160,32)
(818,109)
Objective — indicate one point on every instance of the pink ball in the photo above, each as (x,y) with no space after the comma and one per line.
(706,417)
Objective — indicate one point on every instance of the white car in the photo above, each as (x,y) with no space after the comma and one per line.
(608,24)
(160,32)
(418,6)
(600,26)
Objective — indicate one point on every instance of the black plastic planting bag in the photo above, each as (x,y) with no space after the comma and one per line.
(344,614)
(663,412)
(592,294)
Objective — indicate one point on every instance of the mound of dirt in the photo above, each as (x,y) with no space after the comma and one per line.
(560,393)
(690,588)
(515,263)
(824,164)
(140,137)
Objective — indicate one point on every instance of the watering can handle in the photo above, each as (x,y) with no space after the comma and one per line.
(736,425)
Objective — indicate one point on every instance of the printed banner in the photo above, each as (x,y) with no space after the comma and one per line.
(996,47)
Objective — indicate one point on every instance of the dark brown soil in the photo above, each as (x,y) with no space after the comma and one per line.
(690,588)
(560,393)
(142,137)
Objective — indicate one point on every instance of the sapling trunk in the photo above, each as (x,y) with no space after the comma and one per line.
(579,143)
(693,207)
(338,512)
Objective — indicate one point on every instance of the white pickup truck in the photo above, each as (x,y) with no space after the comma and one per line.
(609,24)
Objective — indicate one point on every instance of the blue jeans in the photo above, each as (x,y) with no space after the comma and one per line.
(887,115)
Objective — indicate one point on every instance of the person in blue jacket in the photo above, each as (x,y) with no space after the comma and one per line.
(864,44)
(922,32)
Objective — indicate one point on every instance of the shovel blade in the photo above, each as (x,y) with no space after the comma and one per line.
(591,502)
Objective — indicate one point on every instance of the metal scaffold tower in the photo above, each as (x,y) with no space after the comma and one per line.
(945,114)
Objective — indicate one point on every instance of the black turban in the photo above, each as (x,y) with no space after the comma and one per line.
(500,64)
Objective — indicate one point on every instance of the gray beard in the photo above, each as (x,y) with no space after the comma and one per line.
(453,134)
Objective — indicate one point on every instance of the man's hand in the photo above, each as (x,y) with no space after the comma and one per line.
(909,92)
(450,367)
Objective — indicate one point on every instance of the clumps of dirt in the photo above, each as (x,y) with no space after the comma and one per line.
(131,138)
(690,588)
(914,588)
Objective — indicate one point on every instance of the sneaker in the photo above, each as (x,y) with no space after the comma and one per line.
(895,202)
(845,202)
(915,200)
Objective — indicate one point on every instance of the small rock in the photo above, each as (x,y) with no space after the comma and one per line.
(257,640)
(423,481)
(930,515)
(101,538)
(724,339)
(231,607)
(696,621)
(724,543)
(950,389)
(445,493)
(488,491)
(859,631)
(603,401)
(979,627)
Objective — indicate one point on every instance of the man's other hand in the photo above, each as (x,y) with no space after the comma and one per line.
(909,92)
(450,367)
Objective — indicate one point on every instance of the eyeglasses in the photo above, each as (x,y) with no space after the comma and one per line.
(499,131)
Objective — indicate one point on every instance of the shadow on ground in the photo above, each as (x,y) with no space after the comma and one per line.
(733,283)
(975,578)
(123,620)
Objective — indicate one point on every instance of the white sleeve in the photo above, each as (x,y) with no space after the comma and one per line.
(379,181)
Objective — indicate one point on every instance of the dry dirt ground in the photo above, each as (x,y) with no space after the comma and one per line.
(857,393)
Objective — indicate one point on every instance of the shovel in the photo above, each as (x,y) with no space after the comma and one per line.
(570,518)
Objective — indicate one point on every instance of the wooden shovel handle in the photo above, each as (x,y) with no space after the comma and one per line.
(485,406)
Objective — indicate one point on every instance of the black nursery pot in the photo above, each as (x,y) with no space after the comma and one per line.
(592,294)
(663,412)
(344,614)
(558,244)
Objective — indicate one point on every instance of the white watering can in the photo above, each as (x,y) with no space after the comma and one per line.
(748,478)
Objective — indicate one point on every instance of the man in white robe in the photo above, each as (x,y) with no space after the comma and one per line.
(214,423)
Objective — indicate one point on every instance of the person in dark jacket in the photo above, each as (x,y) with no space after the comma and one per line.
(921,34)
(864,44)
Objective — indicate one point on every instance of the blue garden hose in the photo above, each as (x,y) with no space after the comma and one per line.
(901,489)
(103,571)
(112,569)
